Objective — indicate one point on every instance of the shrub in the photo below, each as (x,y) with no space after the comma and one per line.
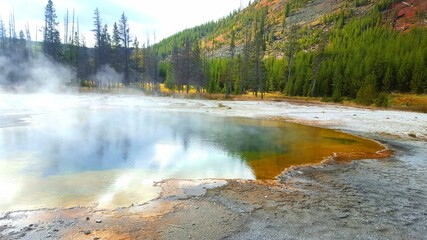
(367,93)
(382,100)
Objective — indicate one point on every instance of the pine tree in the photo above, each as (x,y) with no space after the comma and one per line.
(170,82)
(388,81)
(83,69)
(2,38)
(125,40)
(181,62)
(259,52)
(155,66)
(150,67)
(185,65)
(105,47)
(116,49)
(136,61)
(12,33)
(197,77)
(229,81)
(97,34)
(51,39)
(291,48)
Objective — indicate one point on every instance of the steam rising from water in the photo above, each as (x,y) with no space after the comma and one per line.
(38,74)
(67,150)
(107,74)
(41,75)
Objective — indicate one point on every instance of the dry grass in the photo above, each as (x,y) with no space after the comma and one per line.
(120,90)
(409,102)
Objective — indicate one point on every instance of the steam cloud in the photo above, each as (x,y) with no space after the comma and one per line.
(35,75)
(107,74)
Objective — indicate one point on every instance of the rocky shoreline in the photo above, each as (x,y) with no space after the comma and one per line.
(372,199)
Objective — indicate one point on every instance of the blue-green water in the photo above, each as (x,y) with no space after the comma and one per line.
(110,155)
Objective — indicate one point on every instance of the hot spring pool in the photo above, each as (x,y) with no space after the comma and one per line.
(109,155)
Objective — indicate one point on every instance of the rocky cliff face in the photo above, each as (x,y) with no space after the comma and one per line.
(314,17)
(408,14)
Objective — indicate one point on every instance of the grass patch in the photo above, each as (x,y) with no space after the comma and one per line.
(409,102)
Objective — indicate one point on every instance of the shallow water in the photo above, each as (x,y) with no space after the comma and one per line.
(109,153)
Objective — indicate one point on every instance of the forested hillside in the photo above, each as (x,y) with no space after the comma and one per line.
(358,50)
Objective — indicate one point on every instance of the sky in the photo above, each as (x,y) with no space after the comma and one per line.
(147,18)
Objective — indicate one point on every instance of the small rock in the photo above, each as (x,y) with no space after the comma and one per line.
(87,232)
(412,135)
(96,238)
(98,221)
(28,229)
(21,235)
(87,218)
(269,226)
(343,215)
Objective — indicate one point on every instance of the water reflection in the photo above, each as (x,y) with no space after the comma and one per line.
(111,156)
(116,139)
